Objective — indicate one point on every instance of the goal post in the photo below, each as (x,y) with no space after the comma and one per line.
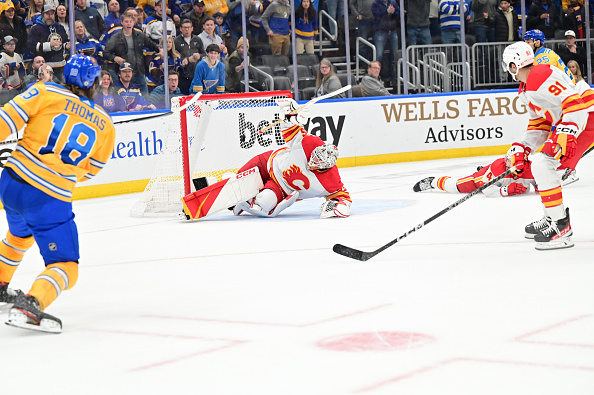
(213,137)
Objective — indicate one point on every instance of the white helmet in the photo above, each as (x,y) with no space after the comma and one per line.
(518,53)
(323,157)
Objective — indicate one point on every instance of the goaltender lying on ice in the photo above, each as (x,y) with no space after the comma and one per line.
(270,182)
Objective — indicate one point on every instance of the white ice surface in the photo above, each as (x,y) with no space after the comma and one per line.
(249,305)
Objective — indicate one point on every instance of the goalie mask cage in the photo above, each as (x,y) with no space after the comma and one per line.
(211,138)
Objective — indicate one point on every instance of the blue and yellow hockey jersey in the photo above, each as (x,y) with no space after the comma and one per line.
(548,56)
(66,138)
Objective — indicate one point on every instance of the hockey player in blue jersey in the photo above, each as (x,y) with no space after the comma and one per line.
(67,138)
(209,76)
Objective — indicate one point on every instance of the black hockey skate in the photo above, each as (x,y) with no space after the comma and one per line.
(8,296)
(25,313)
(423,185)
(534,227)
(556,235)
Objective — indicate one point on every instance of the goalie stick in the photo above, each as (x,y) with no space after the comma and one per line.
(309,103)
(364,256)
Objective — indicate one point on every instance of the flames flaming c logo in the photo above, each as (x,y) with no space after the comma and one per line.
(294,176)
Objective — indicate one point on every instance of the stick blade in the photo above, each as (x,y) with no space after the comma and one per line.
(351,252)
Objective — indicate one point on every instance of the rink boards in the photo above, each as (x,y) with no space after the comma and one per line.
(367,131)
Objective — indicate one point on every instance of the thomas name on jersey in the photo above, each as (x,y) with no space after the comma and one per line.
(85,112)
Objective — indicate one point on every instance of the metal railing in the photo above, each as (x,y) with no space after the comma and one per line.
(322,32)
(268,79)
(429,67)
(359,57)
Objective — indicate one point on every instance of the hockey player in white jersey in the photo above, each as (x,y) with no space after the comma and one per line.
(512,185)
(305,168)
(553,100)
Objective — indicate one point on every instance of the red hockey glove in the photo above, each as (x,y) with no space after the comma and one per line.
(515,188)
(518,154)
(562,143)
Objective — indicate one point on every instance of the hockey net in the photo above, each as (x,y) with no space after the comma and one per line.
(212,138)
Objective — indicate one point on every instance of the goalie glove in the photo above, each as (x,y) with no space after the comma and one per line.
(335,208)
(515,188)
(562,143)
(518,154)
(291,113)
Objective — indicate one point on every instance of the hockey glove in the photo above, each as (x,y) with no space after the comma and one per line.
(291,112)
(335,208)
(515,188)
(518,154)
(562,143)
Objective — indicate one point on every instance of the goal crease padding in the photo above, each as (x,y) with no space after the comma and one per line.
(223,194)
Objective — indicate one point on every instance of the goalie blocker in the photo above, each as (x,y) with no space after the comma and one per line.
(227,193)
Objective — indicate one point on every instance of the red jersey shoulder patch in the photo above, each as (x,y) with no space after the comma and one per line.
(538,75)
(309,143)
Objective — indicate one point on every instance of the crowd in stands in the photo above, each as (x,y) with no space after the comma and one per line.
(205,44)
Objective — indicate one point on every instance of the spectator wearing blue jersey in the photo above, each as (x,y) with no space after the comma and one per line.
(306,27)
(129,91)
(86,45)
(209,76)
(275,20)
(386,14)
(106,95)
(450,19)
(255,8)
(113,18)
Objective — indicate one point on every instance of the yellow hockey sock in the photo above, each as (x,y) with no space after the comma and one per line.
(12,250)
(56,278)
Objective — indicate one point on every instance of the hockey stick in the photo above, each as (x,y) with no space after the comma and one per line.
(309,103)
(177,110)
(364,256)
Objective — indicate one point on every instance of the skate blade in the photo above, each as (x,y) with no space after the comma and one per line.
(19,319)
(556,245)
(569,181)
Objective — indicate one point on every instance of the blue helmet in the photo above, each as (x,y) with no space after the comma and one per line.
(535,35)
(81,71)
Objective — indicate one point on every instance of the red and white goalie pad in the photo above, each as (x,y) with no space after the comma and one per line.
(223,194)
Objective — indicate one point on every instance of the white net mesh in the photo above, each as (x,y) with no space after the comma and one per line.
(223,134)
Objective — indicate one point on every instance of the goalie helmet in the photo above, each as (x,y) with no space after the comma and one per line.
(323,157)
(518,53)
